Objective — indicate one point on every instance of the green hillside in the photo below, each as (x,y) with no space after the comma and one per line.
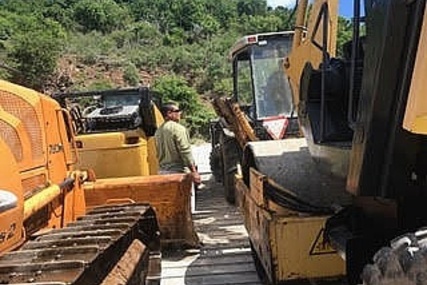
(54,45)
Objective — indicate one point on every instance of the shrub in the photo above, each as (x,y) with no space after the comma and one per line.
(196,115)
(35,52)
(100,15)
(100,84)
(130,74)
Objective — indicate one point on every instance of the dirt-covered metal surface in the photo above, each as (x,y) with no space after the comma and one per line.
(289,163)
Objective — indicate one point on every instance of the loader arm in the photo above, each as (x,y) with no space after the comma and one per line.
(321,28)
(236,120)
(415,119)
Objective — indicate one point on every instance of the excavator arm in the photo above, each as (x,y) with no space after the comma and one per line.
(235,119)
(415,119)
(314,40)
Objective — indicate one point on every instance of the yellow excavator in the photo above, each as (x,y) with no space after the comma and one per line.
(60,224)
(349,191)
(364,118)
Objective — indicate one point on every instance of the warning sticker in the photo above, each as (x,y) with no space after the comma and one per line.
(320,246)
(276,126)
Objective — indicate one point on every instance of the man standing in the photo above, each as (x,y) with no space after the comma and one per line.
(173,144)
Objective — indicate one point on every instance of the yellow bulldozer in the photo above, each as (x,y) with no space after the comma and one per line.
(115,138)
(347,198)
(60,224)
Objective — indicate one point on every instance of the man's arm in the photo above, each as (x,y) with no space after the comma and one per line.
(196,176)
(184,146)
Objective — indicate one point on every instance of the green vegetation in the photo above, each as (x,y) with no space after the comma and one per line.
(179,46)
(196,115)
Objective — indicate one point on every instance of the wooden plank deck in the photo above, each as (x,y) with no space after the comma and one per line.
(224,257)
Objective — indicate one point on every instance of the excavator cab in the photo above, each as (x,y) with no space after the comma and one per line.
(261,107)
(260,86)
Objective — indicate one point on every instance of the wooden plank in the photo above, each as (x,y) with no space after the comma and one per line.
(225,257)
(220,224)
(211,269)
(202,261)
(212,279)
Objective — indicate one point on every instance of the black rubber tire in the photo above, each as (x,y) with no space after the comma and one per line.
(230,157)
(216,164)
(403,263)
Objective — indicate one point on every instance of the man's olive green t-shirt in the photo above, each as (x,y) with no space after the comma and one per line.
(173,147)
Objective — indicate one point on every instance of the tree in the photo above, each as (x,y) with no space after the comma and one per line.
(130,74)
(259,24)
(35,52)
(156,12)
(144,33)
(188,13)
(61,12)
(100,15)
(225,11)
(251,7)
(345,30)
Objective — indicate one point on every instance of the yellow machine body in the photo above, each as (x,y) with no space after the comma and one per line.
(289,245)
(11,201)
(42,193)
(131,152)
(416,110)
(39,135)
(115,148)
(32,127)
(125,165)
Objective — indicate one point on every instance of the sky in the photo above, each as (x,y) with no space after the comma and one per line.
(345,6)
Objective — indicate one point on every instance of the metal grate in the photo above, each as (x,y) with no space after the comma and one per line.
(32,183)
(24,111)
(10,136)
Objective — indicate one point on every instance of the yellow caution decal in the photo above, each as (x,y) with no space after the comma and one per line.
(320,246)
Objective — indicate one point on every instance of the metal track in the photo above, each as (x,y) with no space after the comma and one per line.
(85,251)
